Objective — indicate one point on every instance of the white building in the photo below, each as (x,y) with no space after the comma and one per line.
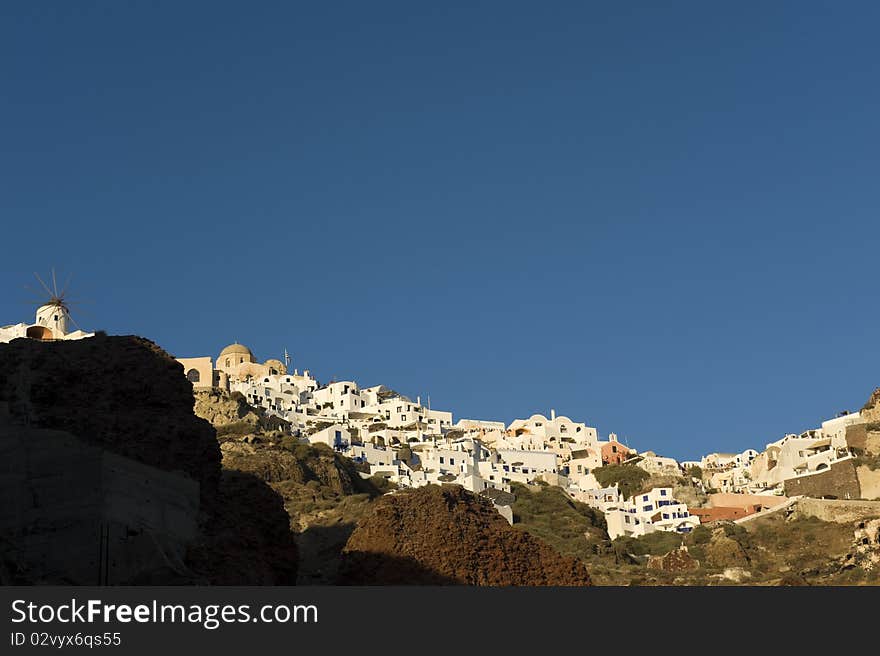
(798,455)
(52,322)
(599,498)
(654,510)
(539,433)
(835,428)
(336,436)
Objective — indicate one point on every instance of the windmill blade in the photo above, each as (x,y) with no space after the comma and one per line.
(54,283)
(45,286)
(73,321)
(79,311)
(66,284)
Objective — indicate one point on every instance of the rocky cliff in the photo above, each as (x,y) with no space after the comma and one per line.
(121,410)
(446,535)
(123,394)
(230,413)
(871,409)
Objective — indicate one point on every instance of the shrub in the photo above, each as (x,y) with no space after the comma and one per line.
(700,535)
(628,478)
(290,443)
(871,461)
(695,471)
(235,428)
(381,484)
(653,544)
(569,526)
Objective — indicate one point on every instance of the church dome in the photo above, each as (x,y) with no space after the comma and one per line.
(238,349)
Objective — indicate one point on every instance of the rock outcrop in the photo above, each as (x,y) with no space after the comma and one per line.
(124,483)
(304,463)
(871,410)
(724,551)
(678,560)
(224,410)
(446,535)
(123,394)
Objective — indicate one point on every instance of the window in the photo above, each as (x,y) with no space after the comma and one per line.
(662,493)
(645,498)
(648,508)
(452,461)
(441,460)
(193,376)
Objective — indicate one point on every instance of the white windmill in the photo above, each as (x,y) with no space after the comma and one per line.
(53,317)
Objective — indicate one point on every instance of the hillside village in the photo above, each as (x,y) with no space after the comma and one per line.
(412,445)
(332,451)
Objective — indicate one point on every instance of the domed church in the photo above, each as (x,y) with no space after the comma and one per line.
(236,362)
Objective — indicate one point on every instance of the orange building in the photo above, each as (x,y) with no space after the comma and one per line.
(614,453)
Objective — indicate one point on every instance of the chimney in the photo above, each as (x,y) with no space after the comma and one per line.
(552,414)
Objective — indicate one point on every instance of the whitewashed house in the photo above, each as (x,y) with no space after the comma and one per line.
(654,510)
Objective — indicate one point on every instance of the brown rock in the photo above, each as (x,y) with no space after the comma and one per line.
(445,535)
(724,551)
(679,560)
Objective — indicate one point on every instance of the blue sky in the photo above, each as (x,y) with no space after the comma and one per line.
(658,220)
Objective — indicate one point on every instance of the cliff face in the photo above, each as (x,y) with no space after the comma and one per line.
(118,413)
(275,464)
(123,394)
(871,409)
(446,535)
(222,409)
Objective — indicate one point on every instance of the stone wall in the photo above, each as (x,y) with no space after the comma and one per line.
(839,481)
(856,436)
(869,482)
(872,442)
(836,510)
(732,500)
